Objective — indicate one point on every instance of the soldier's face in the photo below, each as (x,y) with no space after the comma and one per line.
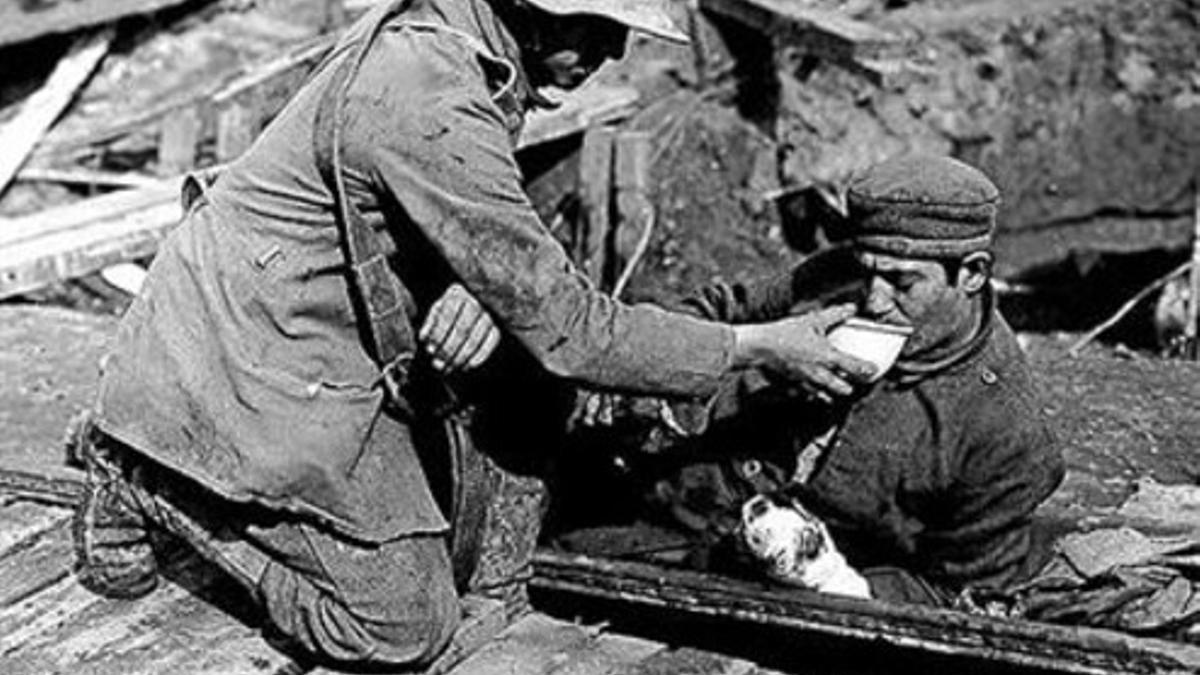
(574,47)
(916,293)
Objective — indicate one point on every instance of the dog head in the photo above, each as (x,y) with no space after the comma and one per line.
(784,536)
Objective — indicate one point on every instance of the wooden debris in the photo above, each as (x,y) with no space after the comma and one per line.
(217,93)
(590,106)
(595,190)
(541,644)
(1126,308)
(49,366)
(1020,643)
(19,136)
(60,491)
(70,241)
(22,21)
(181,132)
(35,563)
(635,209)
(87,177)
(176,629)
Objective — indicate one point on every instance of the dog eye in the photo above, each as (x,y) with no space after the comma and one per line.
(758,506)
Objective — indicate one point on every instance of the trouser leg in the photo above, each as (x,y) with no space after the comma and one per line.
(392,603)
(336,599)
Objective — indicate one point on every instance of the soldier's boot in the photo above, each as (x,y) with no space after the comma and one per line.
(129,505)
(114,556)
(183,511)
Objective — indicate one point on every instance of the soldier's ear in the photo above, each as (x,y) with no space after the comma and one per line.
(974,272)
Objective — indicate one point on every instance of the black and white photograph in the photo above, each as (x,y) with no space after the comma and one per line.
(599,337)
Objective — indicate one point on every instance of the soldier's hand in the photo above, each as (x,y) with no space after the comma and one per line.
(458,334)
(797,350)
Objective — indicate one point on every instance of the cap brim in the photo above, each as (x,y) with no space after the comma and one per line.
(637,14)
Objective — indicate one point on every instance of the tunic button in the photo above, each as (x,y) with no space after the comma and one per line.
(751,468)
(989,377)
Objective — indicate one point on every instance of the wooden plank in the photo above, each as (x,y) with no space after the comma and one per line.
(590,106)
(62,489)
(21,523)
(177,141)
(595,189)
(67,242)
(541,644)
(19,136)
(42,562)
(86,177)
(635,209)
(1021,643)
(690,661)
(295,61)
(483,619)
(78,239)
(49,364)
(234,132)
(29,19)
(176,629)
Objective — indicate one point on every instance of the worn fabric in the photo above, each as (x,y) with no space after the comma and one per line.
(921,206)
(332,598)
(1113,578)
(241,364)
(934,471)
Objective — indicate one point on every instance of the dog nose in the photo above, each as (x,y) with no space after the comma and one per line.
(755,508)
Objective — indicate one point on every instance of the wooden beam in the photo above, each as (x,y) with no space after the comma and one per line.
(595,189)
(25,20)
(86,177)
(1020,643)
(589,106)
(78,239)
(19,136)
(81,238)
(216,93)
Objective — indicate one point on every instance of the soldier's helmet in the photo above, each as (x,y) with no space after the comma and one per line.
(648,16)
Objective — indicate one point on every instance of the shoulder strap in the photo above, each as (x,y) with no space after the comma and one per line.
(377,296)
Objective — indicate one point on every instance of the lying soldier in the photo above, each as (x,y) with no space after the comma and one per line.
(926,479)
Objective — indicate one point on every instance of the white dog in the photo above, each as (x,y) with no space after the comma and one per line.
(796,547)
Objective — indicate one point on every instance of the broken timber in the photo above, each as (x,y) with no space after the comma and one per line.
(19,136)
(77,239)
(1019,643)
(25,20)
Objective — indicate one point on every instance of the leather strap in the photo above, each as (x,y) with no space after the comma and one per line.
(378,301)
(377,294)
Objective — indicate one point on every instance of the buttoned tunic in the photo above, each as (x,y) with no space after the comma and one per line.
(241,363)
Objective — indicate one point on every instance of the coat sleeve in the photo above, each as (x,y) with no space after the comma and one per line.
(437,145)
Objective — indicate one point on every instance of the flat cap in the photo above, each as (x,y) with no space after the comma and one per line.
(922,206)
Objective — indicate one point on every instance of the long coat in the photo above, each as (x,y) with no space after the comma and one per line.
(242,365)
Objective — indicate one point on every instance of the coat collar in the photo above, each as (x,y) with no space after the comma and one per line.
(498,49)
(913,371)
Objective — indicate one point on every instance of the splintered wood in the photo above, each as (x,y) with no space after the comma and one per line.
(23,21)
